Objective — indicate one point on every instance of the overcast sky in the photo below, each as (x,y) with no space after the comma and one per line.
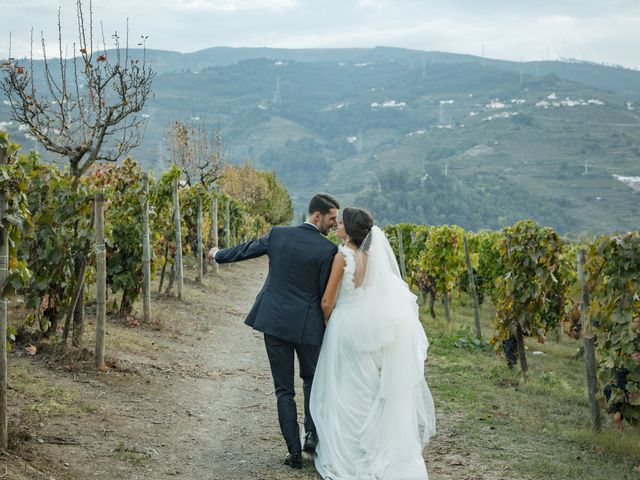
(597,30)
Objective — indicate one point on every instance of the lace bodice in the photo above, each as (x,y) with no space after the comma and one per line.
(347,287)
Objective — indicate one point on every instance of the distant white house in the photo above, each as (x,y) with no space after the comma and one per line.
(496,105)
(568,102)
(417,132)
(333,107)
(633,182)
(389,104)
(497,116)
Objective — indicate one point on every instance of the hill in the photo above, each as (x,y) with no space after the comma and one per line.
(416,136)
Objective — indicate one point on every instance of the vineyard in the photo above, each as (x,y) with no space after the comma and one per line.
(541,287)
(135,232)
(100,238)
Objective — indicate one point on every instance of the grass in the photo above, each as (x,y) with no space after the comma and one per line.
(538,428)
(130,454)
(43,397)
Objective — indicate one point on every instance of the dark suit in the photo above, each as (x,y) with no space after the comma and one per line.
(287,310)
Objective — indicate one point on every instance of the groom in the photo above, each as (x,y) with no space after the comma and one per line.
(287,309)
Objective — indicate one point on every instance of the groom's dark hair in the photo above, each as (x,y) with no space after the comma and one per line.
(323,203)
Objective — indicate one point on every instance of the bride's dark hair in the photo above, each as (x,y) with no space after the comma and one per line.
(357,223)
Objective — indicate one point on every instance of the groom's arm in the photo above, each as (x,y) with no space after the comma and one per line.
(244,251)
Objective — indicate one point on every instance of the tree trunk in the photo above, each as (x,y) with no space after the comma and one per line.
(101,282)
(125,305)
(227,224)
(472,287)
(432,304)
(447,307)
(76,308)
(78,319)
(588,344)
(51,313)
(592,382)
(164,265)
(172,277)
(214,229)
(178,232)
(146,253)
(403,268)
(199,248)
(524,367)
(4,273)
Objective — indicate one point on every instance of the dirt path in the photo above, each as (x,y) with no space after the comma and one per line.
(190,400)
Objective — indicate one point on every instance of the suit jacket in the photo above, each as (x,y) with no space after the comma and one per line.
(288,306)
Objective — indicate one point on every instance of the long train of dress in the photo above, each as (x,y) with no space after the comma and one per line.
(371,406)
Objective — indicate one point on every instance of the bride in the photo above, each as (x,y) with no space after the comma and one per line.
(371,405)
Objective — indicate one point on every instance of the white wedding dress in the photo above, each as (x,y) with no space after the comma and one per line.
(370,403)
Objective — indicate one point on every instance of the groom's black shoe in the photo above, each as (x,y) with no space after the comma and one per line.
(310,442)
(294,460)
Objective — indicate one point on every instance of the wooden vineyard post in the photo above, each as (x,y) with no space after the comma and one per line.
(559,331)
(589,348)
(4,272)
(146,252)
(101,281)
(227,224)
(472,286)
(176,219)
(199,240)
(403,267)
(214,229)
(447,306)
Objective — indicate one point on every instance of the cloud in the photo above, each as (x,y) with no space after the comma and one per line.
(586,29)
(231,6)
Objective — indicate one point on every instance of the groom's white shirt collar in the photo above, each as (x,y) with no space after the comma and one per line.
(309,223)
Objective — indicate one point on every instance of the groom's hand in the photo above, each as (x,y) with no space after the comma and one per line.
(211,256)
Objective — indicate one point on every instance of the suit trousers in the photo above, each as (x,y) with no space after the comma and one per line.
(281,360)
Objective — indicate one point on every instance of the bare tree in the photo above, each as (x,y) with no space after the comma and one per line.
(199,158)
(88,111)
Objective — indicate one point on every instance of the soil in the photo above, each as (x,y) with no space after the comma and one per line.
(188,397)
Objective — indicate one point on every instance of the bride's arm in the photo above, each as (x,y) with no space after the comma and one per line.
(331,292)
